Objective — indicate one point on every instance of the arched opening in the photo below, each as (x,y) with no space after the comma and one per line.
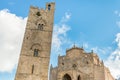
(49,7)
(66,77)
(79,78)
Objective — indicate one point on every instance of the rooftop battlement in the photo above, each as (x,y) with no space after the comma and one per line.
(48,6)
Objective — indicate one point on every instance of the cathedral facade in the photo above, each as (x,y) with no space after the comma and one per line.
(79,65)
(35,53)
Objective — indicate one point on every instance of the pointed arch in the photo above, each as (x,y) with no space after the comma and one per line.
(78,78)
(36,46)
(66,77)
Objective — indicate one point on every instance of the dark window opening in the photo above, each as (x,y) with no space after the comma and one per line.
(35,52)
(32,69)
(66,77)
(79,78)
(62,63)
(49,7)
(40,26)
(87,62)
(74,66)
(38,14)
(27,38)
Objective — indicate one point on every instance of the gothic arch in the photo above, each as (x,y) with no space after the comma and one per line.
(36,46)
(66,77)
(78,78)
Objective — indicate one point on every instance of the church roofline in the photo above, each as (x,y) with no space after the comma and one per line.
(74,47)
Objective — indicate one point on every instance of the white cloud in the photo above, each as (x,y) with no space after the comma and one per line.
(113,61)
(118,39)
(59,34)
(102,51)
(118,15)
(116,11)
(11,34)
(85,45)
(66,17)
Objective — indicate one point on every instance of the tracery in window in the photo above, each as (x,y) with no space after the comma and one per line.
(40,26)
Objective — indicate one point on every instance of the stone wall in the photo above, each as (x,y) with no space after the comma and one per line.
(36,47)
(79,65)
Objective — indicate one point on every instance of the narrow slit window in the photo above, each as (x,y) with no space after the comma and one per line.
(35,52)
(32,69)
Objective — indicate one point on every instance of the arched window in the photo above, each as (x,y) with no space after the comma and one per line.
(79,78)
(35,52)
(49,7)
(66,77)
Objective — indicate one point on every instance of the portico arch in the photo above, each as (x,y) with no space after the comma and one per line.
(66,77)
(79,78)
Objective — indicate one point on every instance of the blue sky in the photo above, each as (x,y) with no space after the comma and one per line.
(93,24)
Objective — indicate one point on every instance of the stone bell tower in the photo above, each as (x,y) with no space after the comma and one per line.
(35,53)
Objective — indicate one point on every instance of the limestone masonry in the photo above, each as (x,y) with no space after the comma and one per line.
(79,65)
(35,53)
(36,47)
